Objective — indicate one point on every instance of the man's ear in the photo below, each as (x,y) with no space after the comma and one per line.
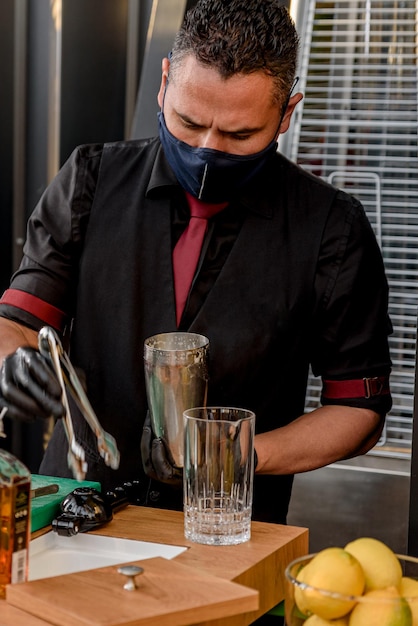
(291,105)
(165,66)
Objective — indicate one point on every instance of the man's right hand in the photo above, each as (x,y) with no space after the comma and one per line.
(28,386)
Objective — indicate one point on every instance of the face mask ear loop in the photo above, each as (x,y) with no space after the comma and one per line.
(284,108)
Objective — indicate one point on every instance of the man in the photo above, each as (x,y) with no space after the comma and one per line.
(289,275)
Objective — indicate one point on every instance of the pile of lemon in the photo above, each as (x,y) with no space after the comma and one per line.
(364,567)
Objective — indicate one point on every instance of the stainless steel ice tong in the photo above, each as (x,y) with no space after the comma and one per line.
(51,348)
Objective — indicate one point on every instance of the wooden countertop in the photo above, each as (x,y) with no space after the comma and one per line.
(206,585)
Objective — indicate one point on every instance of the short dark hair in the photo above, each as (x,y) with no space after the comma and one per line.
(241,36)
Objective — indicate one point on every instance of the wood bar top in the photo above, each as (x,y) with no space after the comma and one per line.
(263,558)
(206,585)
(12,616)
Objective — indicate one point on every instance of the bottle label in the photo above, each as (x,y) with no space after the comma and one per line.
(21,534)
(19,565)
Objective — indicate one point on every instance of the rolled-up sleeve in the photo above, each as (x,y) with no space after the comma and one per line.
(351,334)
(43,289)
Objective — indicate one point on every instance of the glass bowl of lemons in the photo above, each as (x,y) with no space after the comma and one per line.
(363,583)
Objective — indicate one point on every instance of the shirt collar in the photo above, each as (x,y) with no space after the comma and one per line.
(161,175)
(264,193)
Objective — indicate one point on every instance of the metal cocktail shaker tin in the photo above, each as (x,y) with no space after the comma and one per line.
(176,378)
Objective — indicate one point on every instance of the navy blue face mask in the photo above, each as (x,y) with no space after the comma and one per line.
(207,174)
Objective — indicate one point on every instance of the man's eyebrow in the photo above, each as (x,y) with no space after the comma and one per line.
(187,119)
(246,130)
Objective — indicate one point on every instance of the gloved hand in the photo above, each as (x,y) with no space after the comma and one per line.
(28,386)
(156,459)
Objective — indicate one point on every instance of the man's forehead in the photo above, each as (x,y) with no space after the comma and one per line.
(189,70)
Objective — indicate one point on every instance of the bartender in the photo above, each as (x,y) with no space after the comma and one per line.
(289,275)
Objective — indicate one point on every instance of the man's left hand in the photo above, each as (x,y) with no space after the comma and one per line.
(156,458)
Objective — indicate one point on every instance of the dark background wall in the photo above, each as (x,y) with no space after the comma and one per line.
(6,137)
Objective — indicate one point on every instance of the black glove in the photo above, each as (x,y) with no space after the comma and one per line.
(156,459)
(28,386)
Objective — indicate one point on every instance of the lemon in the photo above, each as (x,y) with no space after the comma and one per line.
(381,607)
(332,570)
(315,620)
(409,591)
(300,594)
(380,564)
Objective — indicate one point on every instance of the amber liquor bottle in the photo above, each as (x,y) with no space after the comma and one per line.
(15,481)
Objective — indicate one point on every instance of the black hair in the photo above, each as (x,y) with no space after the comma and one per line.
(241,36)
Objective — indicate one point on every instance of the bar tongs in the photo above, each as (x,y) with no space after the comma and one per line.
(51,348)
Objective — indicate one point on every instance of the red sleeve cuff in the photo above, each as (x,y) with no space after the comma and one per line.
(357,388)
(48,313)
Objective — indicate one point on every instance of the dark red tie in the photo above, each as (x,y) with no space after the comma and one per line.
(187,250)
